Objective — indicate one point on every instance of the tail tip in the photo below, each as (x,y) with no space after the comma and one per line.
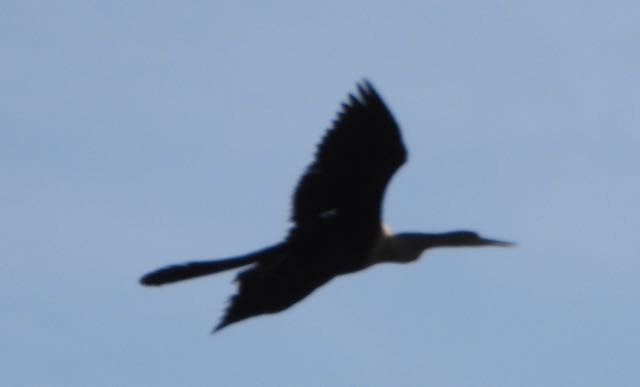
(150,280)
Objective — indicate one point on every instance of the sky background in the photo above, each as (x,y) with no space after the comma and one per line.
(138,134)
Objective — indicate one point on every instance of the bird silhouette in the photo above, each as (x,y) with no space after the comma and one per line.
(336,216)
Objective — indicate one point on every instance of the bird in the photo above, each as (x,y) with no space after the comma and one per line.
(336,219)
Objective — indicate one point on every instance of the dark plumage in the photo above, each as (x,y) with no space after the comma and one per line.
(336,219)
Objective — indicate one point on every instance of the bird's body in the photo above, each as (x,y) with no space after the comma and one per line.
(337,226)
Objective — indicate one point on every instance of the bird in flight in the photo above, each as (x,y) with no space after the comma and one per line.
(336,216)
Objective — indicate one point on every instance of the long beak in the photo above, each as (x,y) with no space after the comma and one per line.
(493,242)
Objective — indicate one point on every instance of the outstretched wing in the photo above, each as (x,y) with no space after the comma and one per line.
(270,287)
(336,210)
(353,163)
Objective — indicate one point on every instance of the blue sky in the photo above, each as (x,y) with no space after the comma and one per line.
(137,134)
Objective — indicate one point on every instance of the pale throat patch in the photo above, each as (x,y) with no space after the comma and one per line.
(393,248)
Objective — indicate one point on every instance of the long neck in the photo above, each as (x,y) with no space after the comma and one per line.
(407,247)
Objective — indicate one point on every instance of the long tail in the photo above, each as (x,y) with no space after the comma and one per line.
(188,270)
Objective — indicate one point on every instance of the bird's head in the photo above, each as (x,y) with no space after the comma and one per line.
(470,238)
(406,247)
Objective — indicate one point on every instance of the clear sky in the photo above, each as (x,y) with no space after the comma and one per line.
(138,134)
